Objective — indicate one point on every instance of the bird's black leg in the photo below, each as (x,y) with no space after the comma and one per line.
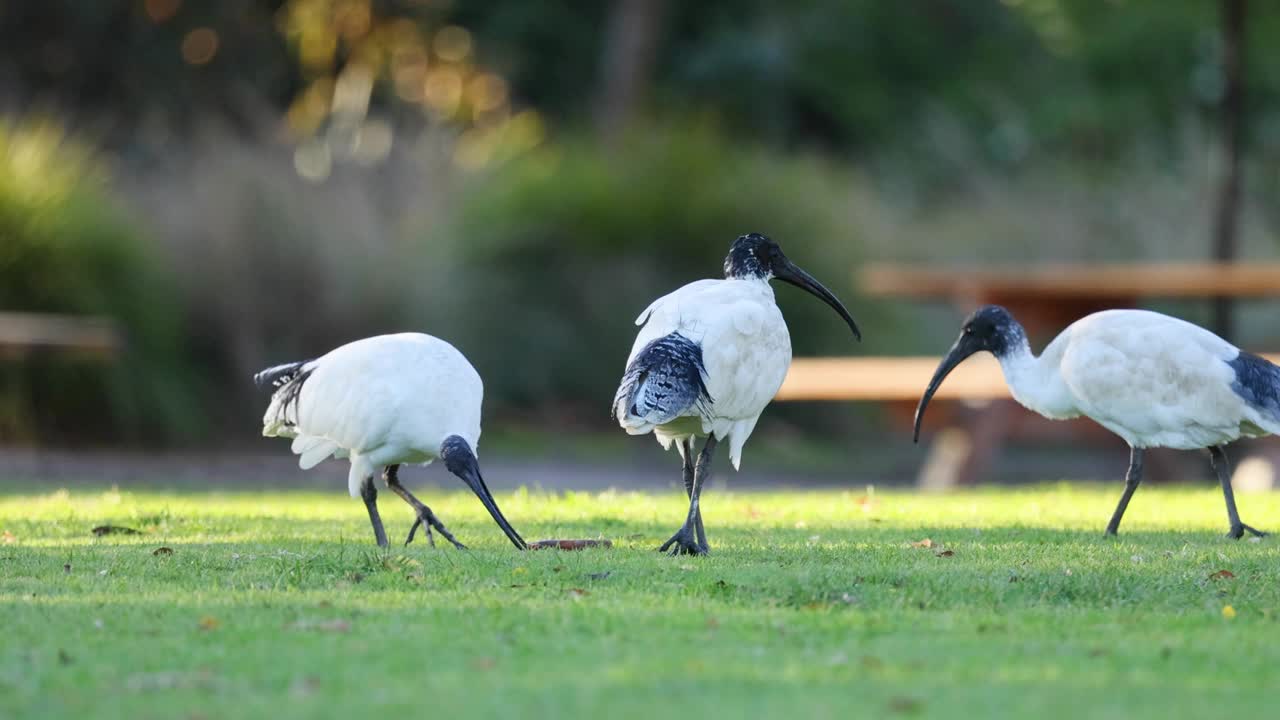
(370,495)
(1131,480)
(685,541)
(687,456)
(1218,458)
(425,517)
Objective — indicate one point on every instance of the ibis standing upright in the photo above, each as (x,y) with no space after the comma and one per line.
(707,360)
(382,402)
(1154,380)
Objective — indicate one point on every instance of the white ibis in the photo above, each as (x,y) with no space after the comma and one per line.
(381,402)
(707,360)
(1154,380)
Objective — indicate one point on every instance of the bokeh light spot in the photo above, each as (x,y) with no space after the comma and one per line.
(372,142)
(199,46)
(487,92)
(313,160)
(353,19)
(443,90)
(452,43)
(161,10)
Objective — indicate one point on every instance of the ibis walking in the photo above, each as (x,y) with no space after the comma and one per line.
(382,402)
(707,360)
(1154,380)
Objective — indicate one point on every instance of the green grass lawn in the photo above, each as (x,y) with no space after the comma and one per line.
(812,605)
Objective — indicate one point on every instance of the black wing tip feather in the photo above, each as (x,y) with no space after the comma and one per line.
(667,376)
(1257,382)
(278,375)
(287,380)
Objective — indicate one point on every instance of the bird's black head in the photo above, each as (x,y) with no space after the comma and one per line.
(752,255)
(992,329)
(756,256)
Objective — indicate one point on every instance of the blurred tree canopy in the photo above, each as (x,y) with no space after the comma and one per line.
(1084,77)
(398,152)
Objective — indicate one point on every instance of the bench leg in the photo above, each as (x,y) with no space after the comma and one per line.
(962,456)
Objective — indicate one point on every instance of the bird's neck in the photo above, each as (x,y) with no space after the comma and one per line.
(1030,382)
(759,283)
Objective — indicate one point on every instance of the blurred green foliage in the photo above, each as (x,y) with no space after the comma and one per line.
(1083,78)
(1025,77)
(65,249)
(980,129)
(566,246)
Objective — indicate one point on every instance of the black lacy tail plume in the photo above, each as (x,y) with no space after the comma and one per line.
(278,375)
(666,378)
(288,380)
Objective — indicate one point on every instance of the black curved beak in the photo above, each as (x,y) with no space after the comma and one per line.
(964,346)
(471,476)
(788,272)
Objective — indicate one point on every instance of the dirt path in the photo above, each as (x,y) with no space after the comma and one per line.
(22,469)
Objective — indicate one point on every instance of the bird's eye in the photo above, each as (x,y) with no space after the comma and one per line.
(968,329)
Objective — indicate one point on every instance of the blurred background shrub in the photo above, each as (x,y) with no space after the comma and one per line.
(564,247)
(242,182)
(65,247)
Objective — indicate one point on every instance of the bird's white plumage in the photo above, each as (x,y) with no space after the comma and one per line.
(1154,380)
(381,401)
(745,347)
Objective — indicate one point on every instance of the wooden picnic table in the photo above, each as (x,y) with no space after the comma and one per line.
(1045,299)
(22,333)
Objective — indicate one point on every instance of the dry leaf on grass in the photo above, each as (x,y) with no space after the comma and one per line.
(1222,575)
(925,543)
(209,622)
(570,544)
(8,538)
(576,593)
(115,530)
(304,686)
(905,705)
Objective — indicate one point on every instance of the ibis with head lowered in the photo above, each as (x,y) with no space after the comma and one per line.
(382,402)
(1154,380)
(707,360)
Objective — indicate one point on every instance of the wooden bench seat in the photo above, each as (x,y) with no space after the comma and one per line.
(889,379)
(22,333)
(894,379)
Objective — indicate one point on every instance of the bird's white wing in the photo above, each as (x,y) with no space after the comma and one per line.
(745,349)
(394,395)
(349,401)
(1152,379)
(671,313)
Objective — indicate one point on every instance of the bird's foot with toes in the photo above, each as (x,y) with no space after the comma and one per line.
(683,543)
(425,520)
(1238,532)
